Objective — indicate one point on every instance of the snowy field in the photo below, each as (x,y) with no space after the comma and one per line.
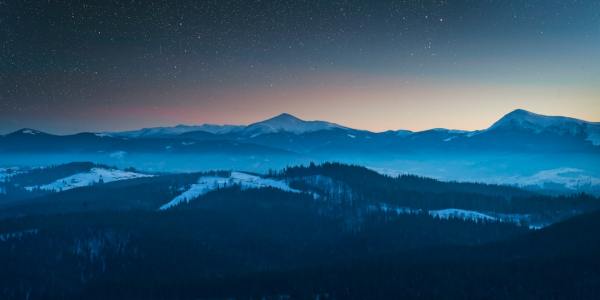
(94,176)
(208,183)
(453,213)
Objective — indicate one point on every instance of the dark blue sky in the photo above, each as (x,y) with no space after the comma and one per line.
(101,65)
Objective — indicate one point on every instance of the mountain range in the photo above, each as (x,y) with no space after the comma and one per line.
(218,216)
(518,131)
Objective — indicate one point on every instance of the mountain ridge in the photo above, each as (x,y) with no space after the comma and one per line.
(519,131)
(286,122)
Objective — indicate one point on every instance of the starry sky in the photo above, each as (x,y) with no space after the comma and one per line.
(69,66)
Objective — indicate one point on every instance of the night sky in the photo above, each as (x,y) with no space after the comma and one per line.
(68,66)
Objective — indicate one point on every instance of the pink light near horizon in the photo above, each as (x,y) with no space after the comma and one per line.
(371,103)
(376,104)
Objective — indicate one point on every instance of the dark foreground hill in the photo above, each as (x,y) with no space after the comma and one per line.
(271,244)
(326,231)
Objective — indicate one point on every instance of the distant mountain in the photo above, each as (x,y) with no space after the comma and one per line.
(35,142)
(281,123)
(522,120)
(287,123)
(156,132)
(26,132)
(519,131)
(328,141)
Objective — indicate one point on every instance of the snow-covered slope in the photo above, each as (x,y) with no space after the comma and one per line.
(288,123)
(453,213)
(529,220)
(208,183)
(94,176)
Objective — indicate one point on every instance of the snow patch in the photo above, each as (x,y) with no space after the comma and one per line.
(531,221)
(454,213)
(17,234)
(5,173)
(594,135)
(118,154)
(398,210)
(29,131)
(474,133)
(450,138)
(387,171)
(94,176)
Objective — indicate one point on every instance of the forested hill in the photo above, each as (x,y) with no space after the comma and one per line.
(365,179)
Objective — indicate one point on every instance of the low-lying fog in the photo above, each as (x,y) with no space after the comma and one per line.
(551,172)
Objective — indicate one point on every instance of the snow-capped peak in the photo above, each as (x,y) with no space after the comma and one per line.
(288,123)
(523,119)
